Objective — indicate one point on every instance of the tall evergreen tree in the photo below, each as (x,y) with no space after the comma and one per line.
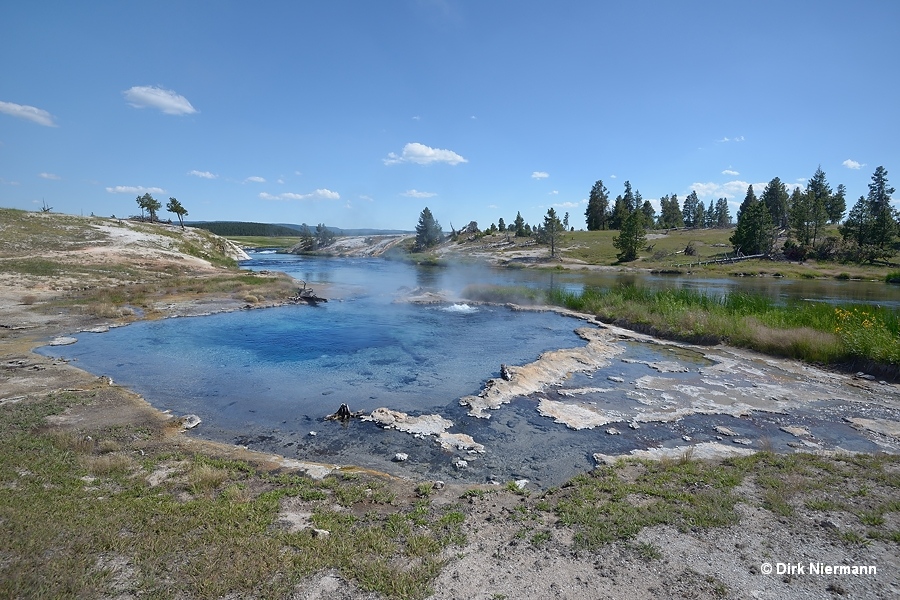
(631,238)
(519,224)
(700,215)
(501,225)
(620,212)
(670,212)
(710,216)
(885,225)
(630,201)
(597,212)
(836,206)
(819,193)
(723,214)
(775,196)
(428,231)
(753,234)
(649,213)
(857,231)
(552,230)
(749,198)
(689,209)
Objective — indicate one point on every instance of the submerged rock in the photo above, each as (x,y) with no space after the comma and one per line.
(550,368)
(703,450)
(576,416)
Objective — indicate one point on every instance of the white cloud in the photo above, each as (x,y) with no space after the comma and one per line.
(29,113)
(417,194)
(540,175)
(739,138)
(321,194)
(202,174)
(612,176)
(852,164)
(730,189)
(554,192)
(424,155)
(568,204)
(367,198)
(4,182)
(730,172)
(280,180)
(147,96)
(49,176)
(417,118)
(134,189)
(255,179)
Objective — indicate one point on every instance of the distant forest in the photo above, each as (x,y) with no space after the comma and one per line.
(242,228)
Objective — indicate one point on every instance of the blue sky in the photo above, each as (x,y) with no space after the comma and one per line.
(361,113)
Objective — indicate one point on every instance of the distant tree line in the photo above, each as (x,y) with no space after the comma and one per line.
(242,228)
(869,233)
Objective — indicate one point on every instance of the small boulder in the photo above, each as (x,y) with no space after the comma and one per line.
(401,457)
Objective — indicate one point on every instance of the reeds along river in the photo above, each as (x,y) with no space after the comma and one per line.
(267,378)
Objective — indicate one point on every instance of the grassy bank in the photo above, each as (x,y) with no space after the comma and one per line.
(811,331)
(115,511)
(121,511)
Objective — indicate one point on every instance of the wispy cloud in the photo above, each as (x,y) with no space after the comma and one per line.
(169,102)
(367,198)
(202,174)
(852,164)
(417,194)
(569,204)
(320,194)
(739,138)
(50,176)
(255,179)
(554,192)
(731,172)
(417,118)
(134,189)
(421,154)
(29,113)
(729,189)
(540,175)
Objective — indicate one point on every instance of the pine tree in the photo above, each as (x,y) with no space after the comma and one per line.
(689,210)
(628,198)
(619,214)
(631,238)
(710,216)
(428,231)
(501,225)
(552,231)
(649,213)
(885,225)
(520,225)
(819,197)
(723,215)
(597,212)
(775,196)
(749,198)
(174,206)
(837,205)
(753,234)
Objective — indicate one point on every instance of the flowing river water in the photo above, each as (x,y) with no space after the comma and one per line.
(267,378)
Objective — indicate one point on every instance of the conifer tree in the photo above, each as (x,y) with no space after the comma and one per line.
(597,212)
(631,238)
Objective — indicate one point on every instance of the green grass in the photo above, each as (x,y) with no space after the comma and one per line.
(251,241)
(78,517)
(72,508)
(811,331)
